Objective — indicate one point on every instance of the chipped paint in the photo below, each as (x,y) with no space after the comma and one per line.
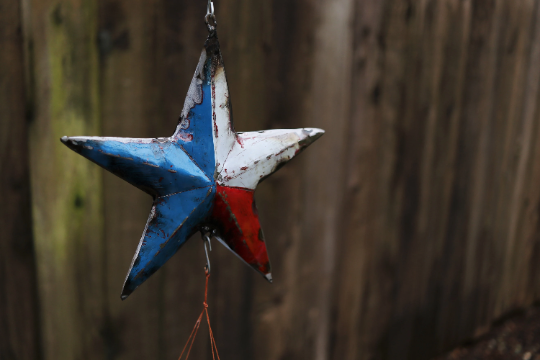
(145,163)
(204,175)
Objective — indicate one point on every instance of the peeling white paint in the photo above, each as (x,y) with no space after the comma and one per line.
(256,155)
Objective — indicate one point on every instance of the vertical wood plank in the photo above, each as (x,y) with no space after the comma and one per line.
(19,318)
(66,191)
(519,154)
(285,42)
(307,86)
(130,108)
(359,296)
(322,203)
(526,196)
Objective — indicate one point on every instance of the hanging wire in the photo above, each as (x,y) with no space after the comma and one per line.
(206,235)
(191,338)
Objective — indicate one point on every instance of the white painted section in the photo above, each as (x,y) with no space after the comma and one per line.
(256,155)
(224,136)
(195,94)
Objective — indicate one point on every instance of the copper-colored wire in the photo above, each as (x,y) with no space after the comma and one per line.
(198,324)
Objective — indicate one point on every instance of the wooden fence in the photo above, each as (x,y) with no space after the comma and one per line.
(409,227)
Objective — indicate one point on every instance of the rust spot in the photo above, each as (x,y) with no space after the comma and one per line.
(160,179)
(185,137)
(214,102)
(141,273)
(184,123)
(240,141)
(116,156)
(244,168)
(172,171)
(309,139)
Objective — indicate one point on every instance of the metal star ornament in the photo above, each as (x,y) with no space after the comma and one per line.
(202,177)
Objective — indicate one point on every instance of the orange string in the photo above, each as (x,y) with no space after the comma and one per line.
(198,324)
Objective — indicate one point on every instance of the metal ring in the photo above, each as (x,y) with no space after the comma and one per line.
(210,8)
(206,239)
(210,17)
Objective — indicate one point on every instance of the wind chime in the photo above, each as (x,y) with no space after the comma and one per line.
(202,178)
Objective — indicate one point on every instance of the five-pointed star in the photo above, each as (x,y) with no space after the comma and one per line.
(202,176)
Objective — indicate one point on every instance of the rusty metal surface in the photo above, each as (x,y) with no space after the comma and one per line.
(204,175)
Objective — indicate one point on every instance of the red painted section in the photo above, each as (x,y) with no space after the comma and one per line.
(237,220)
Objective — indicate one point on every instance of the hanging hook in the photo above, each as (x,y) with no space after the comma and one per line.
(210,8)
(210,17)
(206,239)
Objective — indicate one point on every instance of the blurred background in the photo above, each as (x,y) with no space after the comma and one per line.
(407,229)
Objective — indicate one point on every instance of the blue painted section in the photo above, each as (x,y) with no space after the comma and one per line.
(158,168)
(197,139)
(178,172)
(172,221)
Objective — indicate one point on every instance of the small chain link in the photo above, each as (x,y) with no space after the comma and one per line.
(210,17)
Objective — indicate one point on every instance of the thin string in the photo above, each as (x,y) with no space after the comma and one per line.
(191,338)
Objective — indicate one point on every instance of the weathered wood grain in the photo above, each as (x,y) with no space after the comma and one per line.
(526,192)
(66,192)
(446,139)
(19,318)
(291,318)
(129,88)
(521,236)
(406,229)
